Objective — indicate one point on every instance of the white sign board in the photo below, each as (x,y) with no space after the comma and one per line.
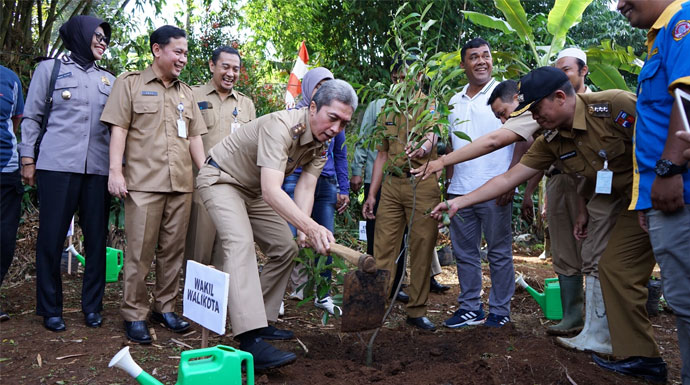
(206,296)
(362,230)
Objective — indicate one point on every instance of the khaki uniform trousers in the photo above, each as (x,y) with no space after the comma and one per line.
(154,224)
(624,271)
(603,209)
(202,243)
(392,215)
(241,218)
(561,213)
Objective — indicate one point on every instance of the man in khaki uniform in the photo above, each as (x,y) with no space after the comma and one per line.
(395,207)
(224,109)
(591,135)
(240,185)
(156,125)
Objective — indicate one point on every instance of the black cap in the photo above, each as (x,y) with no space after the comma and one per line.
(537,85)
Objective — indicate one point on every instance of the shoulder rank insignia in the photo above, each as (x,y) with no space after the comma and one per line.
(599,110)
(625,120)
(297,130)
(550,135)
(681,29)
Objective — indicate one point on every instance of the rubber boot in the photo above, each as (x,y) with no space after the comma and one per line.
(572,300)
(595,335)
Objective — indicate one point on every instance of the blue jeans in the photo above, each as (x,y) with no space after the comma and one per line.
(323,211)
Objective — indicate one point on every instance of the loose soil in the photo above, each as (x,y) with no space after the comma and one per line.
(519,353)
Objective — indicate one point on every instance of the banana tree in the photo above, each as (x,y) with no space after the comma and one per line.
(604,61)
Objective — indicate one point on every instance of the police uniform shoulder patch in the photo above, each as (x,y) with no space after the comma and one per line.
(297,130)
(681,30)
(625,120)
(599,110)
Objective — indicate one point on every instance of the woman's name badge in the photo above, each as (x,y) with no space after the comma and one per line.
(604,180)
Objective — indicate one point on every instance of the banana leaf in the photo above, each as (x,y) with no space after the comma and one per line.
(516,18)
(563,15)
(606,77)
(489,21)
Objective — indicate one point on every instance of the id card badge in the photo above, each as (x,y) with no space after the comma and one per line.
(234,127)
(181,129)
(604,180)
(181,125)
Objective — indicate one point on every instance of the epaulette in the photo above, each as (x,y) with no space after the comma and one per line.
(105,69)
(130,73)
(550,135)
(297,130)
(599,110)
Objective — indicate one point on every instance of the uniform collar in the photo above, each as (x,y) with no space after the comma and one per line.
(149,75)
(209,88)
(307,137)
(580,118)
(662,21)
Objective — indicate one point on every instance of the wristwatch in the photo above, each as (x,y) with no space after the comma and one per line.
(665,168)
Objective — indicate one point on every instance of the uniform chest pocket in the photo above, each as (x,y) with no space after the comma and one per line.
(651,88)
(570,161)
(145,107)
(104,88)
(615,148)
(209,117)
(65,90)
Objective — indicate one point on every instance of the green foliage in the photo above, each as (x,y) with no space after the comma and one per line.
(313,265)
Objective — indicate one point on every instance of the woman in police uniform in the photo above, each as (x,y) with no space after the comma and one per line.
(71,166)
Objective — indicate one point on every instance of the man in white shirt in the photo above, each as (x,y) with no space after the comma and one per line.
(472,115)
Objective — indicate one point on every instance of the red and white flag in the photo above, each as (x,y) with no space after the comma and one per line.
(294,86)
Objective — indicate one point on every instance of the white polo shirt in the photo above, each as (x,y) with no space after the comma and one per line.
(474,117)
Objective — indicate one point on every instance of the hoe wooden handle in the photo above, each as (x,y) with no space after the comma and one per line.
(364,262)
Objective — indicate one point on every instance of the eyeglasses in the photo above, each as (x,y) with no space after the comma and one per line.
(101,38)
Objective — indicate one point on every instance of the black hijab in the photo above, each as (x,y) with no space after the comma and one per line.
(77,34)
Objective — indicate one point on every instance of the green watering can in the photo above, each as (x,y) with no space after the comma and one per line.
(549,300)
(114,261)
(217,365)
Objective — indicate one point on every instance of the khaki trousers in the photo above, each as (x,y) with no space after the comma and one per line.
(154,225)
(202,243)
(241,218)
(624,271)
(603,209)
(393,214)
(561,213)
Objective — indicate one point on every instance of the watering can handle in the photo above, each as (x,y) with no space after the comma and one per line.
(192,354)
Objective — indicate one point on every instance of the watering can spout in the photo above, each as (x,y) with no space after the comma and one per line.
(124,361)
(79,257)
(539,297)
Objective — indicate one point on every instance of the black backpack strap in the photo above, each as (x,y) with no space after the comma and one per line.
(47,108)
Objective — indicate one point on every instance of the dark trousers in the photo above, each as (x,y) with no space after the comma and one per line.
(60,194)
(371,228)
(10,210)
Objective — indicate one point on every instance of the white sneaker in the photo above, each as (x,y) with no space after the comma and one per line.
(542,256)
(327,304)
(298,295)
(281,311)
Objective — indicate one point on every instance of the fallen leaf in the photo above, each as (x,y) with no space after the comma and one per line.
(39,360)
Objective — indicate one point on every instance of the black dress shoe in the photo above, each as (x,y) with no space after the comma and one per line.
(267,356)
(402,297)
(93,320)
(437,287)
(137,331)
(651,369)
(54,324)
(4,316)
(273,333)
(171,321)
(422,323)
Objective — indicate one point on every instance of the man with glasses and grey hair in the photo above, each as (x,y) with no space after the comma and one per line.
(240,185)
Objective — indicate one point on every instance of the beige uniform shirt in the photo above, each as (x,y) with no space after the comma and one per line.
(156,158)
(523,125)
(394,140)
(280,141)
(219,114)
(602,126)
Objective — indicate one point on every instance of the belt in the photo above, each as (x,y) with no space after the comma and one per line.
(212,162)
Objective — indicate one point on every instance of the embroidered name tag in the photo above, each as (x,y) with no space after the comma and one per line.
(600,110)
(65,75)
(390,123)
(568,155)
(149,93)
